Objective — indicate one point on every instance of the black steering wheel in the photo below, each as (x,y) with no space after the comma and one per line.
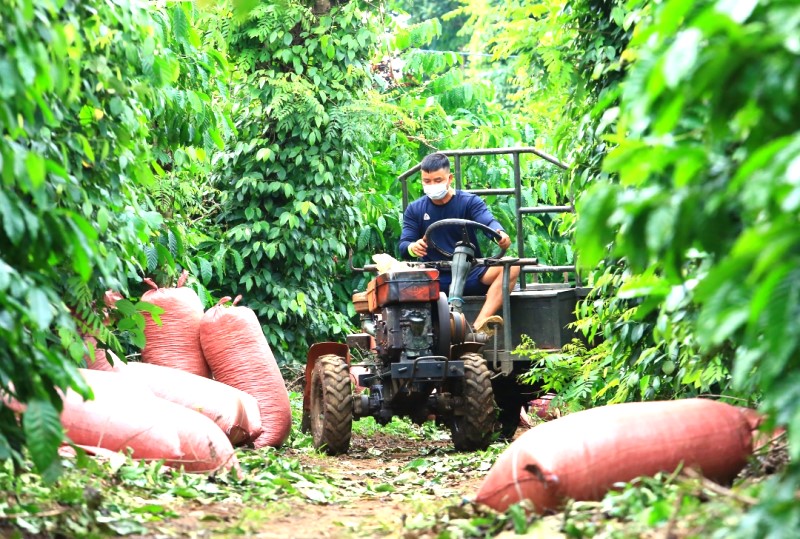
(466,224)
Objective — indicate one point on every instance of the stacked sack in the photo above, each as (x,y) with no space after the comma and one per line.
(176,341)
(247,401)
(239,356)
(235,412)
(127,417)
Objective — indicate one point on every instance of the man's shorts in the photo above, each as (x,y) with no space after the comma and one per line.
(473,286)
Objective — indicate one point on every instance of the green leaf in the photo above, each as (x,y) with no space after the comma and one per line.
(125,307)
(205,270)
(43,432)
(237,259)
(681,56)
(164,256)
(86,115)
(102,220)
(363,238)
(36,169)
(39,308)
(151,255)
(154,310)
(180,25)
(264,154)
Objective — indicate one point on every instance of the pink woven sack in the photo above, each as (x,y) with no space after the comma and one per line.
(175,343)
(125,415)
(239,356)
(233,410)
(582,455)
(122,416)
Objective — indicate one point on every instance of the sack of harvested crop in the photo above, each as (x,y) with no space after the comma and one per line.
(176,342)
(204,447)
(125,415)
(582,455)
(122,416)
(239,356)
(234,411)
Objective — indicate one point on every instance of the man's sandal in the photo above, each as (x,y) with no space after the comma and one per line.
(486,330)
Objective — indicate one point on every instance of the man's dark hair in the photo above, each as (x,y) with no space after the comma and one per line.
(434,162)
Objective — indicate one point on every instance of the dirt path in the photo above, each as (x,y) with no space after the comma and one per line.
(387,490)
(386,486)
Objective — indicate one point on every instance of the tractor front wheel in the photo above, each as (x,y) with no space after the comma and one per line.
(331,417)
(472,426)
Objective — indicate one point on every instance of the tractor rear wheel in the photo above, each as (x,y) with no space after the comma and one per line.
(331,405)
(472,428)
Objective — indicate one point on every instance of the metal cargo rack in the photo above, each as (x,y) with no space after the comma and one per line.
(543,311)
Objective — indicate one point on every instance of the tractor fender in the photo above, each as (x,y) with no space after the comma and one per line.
(316,351)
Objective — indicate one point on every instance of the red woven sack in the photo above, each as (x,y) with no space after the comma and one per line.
(204,447)
(582,455)
(122,416)
(175,343)
(233,410)
(125,415)
(239,356)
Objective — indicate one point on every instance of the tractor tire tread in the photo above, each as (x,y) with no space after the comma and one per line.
(473,430)
(333,434)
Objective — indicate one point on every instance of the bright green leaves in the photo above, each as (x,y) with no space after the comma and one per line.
(40,310)
(417,35)
(265,154)
(43,432)
(681,56)
(706,158)
(81,89)
(35,166)
(287,181)
(595,231)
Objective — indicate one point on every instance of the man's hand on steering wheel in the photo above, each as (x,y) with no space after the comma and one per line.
(419,248)
(505,241)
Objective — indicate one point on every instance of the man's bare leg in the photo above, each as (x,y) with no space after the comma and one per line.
(494,296)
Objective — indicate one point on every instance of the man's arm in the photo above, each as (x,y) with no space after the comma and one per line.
(412,231)
(479,212)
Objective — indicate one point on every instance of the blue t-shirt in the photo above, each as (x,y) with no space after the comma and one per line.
(422,213)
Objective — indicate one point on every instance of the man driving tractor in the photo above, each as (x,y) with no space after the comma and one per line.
(441,201)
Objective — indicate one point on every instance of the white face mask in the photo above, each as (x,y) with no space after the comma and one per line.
(436,191)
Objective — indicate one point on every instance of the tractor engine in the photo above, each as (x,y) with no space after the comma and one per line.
(404,331)
(405,299)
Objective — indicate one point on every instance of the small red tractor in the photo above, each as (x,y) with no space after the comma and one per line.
(421,357)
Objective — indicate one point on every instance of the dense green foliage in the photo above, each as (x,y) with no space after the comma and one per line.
(705,210)
(255,147)
(683,146)
(78,86)
(287,181)
(106,113)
